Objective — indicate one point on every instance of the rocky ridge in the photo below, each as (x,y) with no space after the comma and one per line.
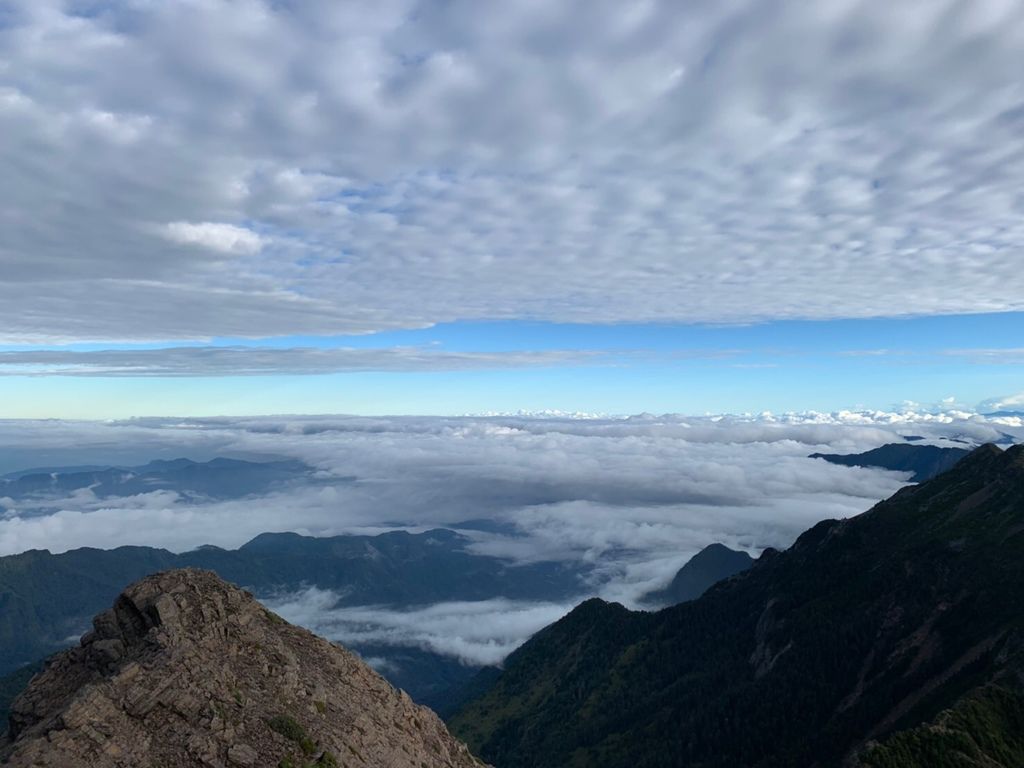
(188,670)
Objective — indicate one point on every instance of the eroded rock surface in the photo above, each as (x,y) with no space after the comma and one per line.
(188,670)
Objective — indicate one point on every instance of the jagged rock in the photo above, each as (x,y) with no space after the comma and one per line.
(187,670)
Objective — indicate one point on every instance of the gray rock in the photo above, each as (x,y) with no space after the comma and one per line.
(242,754)
(186,670)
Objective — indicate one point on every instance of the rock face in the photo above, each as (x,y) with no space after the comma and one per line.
(187,670)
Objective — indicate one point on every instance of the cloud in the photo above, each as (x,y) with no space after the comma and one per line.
(631,498)
(1006,403)
(247,169)
(259,361)
(225,238)
(995,356)
(479,633)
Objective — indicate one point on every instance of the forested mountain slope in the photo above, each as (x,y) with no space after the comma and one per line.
(865,627)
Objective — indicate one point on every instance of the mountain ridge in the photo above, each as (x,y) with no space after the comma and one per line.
(864,628)
(218,478)
(45,599)
(923,461)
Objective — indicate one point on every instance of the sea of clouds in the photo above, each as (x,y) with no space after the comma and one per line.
(633,498)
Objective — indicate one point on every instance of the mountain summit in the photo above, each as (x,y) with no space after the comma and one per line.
(923,461)
(705,569)
(894,639)
(187,670)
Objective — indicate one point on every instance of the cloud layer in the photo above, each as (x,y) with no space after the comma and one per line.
(245,169)
(258,361)
(479,633)
(632,497)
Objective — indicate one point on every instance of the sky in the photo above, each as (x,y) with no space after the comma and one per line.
(214,207)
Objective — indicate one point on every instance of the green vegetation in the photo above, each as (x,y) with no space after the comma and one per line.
(273,618)
(862,628)
(984,729)
(290,728)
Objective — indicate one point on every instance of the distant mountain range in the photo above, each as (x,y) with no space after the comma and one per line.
(894,639)
(1006,414)
(703,571)
(924,461)
(46,600)
(218,478)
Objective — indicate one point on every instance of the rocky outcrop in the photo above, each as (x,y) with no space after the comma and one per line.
(187,670)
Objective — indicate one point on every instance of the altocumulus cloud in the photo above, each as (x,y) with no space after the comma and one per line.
(254,168)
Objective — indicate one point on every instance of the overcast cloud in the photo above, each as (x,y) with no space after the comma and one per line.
(184,170)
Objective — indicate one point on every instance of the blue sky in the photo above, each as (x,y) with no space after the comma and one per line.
(781,366)
(412,206)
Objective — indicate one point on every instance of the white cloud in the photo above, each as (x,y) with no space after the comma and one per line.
(630,498)
(1006,403)
(401,163)
(478,633)
(994,356)
(225,238)
(634,497)
(121,129)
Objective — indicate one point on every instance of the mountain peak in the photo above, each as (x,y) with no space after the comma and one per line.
(985,452)
(705,569)
(186,669)
(1014,455)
